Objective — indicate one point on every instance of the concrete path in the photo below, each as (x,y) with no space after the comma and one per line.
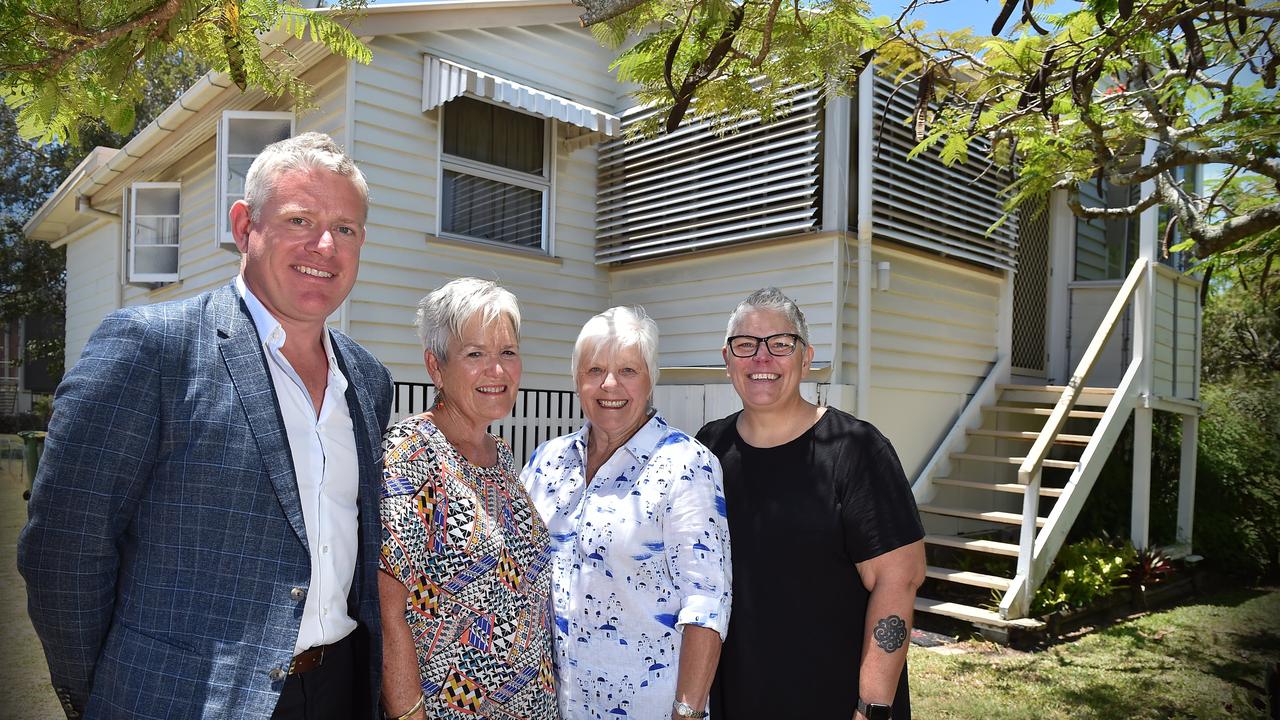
(25,693)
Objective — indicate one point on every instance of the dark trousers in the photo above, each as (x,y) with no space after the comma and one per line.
(325,692)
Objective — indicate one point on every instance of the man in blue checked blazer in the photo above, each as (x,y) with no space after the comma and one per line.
(203,530)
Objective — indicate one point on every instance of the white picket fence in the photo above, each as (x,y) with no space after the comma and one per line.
(538,415)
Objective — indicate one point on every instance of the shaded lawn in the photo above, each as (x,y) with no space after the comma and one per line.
(1203,660)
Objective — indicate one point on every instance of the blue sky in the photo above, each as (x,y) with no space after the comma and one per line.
(950,15)
(958,14)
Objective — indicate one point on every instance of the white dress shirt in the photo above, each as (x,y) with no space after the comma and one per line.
(638,553)
(323,447)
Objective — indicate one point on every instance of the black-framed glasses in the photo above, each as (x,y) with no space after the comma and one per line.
(780,345)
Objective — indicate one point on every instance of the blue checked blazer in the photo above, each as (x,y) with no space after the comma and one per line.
(166,536)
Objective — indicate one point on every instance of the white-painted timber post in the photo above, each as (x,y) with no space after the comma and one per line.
(1062,234)
(1143,347)
(1140,513)
(836,164)
(837,117)
(866,120)
(1187,479)
(1027,537)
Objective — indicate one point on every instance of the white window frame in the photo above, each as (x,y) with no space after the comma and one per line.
(545,184)
(222,224)
(132,220)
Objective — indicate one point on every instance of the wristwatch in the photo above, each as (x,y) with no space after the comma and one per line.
(875,711)
(685,710)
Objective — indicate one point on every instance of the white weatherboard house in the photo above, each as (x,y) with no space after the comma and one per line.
(490,132)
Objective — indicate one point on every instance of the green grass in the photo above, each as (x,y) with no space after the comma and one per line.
(1203,660)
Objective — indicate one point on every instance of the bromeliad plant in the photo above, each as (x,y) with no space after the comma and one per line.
(1150,566)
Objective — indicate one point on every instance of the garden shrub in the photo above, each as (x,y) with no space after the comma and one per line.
(12,423)
(1237,523)
(1083,573)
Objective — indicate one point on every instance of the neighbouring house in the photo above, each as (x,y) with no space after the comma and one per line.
(22,379)
(491,133)
(10,367)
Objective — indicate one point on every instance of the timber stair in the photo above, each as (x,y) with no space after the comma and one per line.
(996,487)
(976,544)
(1030,436)
(1014,460)
(1045,411)
(995,582)
(976,615)
(974,519)
(1049,394)
(996,516)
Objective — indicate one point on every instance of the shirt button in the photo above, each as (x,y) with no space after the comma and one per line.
(276,674)
(298,594)
(324,549)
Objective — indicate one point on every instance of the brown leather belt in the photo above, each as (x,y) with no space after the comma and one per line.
(308,659)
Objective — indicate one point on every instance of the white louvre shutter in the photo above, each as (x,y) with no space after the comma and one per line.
(924,203)
(693,189)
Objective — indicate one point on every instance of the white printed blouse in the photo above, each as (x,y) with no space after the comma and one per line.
(637,553)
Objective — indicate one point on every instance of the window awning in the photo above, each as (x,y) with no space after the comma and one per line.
(444,80)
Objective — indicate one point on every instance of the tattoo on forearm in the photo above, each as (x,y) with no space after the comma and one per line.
(890,633)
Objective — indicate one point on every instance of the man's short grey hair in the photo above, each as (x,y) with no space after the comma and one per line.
(306,152)
(770,298)
(617,328)
(444,313)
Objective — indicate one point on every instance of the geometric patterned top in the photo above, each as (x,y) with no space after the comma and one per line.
(472,552)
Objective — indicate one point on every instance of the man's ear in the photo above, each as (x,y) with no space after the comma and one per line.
(240,224)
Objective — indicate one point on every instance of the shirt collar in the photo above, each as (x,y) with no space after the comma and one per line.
(641,445)
(271,333)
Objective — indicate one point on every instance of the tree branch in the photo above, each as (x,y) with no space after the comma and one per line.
(766,34)
(598,11)
(703,70)
(1214,238)
(90,39)
(1107,213)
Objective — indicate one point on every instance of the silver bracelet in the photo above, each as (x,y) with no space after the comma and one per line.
(684,710)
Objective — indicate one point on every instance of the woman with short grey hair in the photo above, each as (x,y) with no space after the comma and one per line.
(464,585)
(640,547)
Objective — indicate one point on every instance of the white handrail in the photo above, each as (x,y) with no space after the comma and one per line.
(1044,441)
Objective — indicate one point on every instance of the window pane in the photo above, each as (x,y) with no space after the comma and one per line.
(1105,248)
(250,135)
(237,169)
(155,230)
(157,201)
(490,134)
(490,210)
(155,260)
